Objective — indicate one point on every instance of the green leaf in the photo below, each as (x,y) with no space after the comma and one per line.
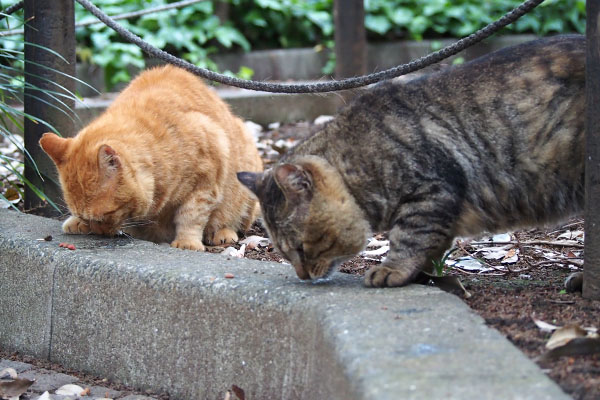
(227,36)
(402,16)
(378,24)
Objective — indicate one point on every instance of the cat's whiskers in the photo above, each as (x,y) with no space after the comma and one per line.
(133,224)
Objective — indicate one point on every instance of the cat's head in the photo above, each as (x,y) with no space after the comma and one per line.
(98,185)
(311,217)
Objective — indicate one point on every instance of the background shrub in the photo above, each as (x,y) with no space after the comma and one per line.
(195,32)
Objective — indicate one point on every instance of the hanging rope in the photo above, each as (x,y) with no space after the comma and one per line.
(11,9)
(321,87)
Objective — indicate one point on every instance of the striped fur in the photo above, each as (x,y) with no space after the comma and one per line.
(491,145)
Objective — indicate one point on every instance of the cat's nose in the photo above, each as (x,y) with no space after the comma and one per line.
(302,274)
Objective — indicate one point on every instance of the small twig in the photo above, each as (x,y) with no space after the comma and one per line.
(575,261)
(562,228)
(530,243)
(464,271)
(562,301)
(472,255)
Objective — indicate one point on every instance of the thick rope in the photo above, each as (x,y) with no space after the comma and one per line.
(11,9)
(332,86)
(321,87)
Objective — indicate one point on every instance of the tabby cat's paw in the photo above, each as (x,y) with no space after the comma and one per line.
(384,276)
(75,225)
(188,244)
(224,236)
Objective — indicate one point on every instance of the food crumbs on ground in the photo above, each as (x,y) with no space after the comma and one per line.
(229,275)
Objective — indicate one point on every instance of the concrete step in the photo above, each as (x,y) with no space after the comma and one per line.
(259,107)
(165,319)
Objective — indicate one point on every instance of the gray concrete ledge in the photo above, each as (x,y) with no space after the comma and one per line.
(259,107)
(166,319)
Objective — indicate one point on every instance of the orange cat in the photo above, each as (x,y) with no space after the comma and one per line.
(160,164)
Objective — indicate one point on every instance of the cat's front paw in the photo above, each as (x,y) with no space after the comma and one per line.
(75,225)
(188,244)
(224,236)
(384,276)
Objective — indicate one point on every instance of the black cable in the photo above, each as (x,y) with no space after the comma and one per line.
(11,9)
(344,84)
(321,87)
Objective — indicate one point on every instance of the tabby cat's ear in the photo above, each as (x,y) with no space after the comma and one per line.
(294,181)
(108,160)
(249,179)
(55,147)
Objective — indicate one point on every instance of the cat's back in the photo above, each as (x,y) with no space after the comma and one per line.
(170,89)
(493,94)
(508,75)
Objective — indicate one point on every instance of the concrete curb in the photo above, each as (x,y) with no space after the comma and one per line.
(165,319)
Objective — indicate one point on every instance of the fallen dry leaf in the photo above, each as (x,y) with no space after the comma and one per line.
(239,392)
(563,335)
(254,241)
(233,252)
(69,390)
(575,347)
(44,396)
(544,326)
(8,373)
(14,388)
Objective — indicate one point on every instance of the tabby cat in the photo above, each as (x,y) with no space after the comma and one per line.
(159,164)
(490,145)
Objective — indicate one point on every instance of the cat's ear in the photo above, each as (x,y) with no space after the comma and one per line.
(250,179)
(108,160)
(55,147)
(294,181)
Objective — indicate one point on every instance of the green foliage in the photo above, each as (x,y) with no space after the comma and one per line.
(283,23)
(12,85)
(458,18)
(440,265)
(195,33)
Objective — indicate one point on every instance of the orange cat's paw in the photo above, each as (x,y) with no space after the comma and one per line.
(188,244)
(384,276)
(224,236)
(75,225)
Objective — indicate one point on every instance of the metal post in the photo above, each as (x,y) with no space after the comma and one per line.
(350,38)
(50,24)
(591,270)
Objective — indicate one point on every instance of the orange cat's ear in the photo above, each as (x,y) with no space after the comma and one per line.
(55,146)
(250,180)
(294,181)
(108,160)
